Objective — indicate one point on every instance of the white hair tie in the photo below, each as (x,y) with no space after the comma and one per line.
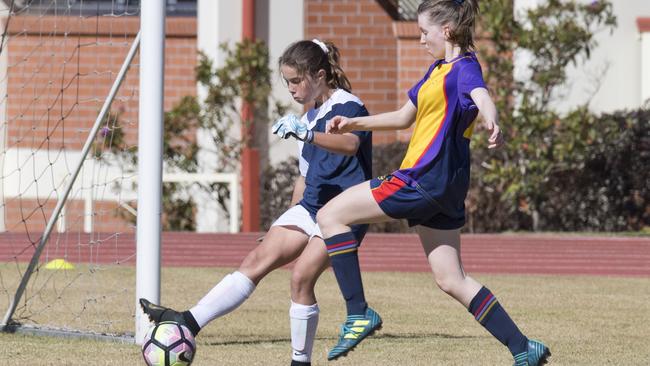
(321,44)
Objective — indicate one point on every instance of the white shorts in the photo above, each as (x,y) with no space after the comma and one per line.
(299,216)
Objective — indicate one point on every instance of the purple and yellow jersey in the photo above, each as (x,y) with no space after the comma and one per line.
(437,160)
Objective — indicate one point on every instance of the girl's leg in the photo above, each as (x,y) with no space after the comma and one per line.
(442,248)
(355,205)
(304,308)
(280,246)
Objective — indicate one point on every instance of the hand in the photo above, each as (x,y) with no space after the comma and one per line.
(338,125)
(291,125)
(496,137)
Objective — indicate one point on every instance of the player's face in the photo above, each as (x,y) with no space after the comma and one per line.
(432,36)
(302,88)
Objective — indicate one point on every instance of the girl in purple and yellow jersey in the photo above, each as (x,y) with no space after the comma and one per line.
(429,188)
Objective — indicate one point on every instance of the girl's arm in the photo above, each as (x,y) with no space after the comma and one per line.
(346,144)
(298,190)
(488,112)
(396,120)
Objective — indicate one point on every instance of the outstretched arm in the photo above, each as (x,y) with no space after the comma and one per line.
(396,120)
(488,112)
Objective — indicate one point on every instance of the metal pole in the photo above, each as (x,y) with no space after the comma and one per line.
(150,136)
(73,178)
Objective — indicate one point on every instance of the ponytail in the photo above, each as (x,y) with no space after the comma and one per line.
(336,76)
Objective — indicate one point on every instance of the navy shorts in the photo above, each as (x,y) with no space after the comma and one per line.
(402,201)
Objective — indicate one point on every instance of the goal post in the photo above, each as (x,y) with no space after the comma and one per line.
(152,54)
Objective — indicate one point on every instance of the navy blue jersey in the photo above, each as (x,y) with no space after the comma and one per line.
(326,173)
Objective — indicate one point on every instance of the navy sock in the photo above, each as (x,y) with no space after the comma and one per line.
(487,311)
(342,250)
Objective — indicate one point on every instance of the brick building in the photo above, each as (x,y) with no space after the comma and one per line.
(60,64)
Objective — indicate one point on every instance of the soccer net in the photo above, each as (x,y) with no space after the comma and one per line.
(59,60)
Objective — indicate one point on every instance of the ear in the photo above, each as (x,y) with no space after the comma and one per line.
(321,74)
(446,31)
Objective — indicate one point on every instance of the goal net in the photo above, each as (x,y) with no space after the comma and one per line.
(59,60)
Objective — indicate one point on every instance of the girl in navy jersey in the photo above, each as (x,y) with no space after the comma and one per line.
(430,186)
(329,164)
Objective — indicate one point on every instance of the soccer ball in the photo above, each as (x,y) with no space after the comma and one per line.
(168,344)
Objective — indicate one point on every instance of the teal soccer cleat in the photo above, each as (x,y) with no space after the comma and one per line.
(536,355)
(353,331)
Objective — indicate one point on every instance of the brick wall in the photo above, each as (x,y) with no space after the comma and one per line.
(363,32)
(383,58)
(59,71)
(31,216)
(413,63)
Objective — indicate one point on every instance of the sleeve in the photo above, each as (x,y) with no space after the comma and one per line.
(469,78)
(352,109)
(413,92)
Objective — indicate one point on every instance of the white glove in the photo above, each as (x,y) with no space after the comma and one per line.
(291,125)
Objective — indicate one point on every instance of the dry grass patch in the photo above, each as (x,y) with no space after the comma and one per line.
(585,321)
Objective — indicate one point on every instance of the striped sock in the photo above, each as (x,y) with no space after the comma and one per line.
(342,250)
(487,311)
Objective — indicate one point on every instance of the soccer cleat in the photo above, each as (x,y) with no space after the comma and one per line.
(536,355)
(157,313)
(353,331)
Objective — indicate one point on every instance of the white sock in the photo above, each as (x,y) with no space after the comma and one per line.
(304,321)
(225,297)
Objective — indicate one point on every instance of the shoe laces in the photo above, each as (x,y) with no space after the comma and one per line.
(348,327)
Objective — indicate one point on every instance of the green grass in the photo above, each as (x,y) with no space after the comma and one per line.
(585,321)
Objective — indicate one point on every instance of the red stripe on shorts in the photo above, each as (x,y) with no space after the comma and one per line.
(387,188)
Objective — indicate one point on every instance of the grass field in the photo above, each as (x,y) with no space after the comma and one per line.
(585,321)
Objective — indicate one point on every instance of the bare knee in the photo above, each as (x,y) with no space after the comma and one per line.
(448,283)
(254,266)
(302,284)
(324,219)
(330,223)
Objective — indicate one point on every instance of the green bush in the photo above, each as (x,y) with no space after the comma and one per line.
(608,187)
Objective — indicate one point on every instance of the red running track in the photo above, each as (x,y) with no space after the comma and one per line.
(483,253)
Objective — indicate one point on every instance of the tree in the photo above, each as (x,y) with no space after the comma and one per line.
(511,184)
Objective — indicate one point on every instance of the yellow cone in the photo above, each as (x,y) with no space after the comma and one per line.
(59,264)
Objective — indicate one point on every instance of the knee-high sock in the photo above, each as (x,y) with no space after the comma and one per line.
(225,297)
(304,321)
(487,311)
(342,250)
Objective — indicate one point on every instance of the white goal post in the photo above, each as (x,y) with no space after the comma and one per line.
(149,228)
